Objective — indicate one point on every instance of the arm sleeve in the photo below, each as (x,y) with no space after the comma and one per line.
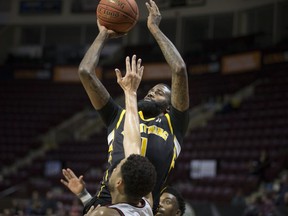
(85,197)
(109,112)
(179,121)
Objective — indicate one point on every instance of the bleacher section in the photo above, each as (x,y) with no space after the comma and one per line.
(234,138)
(28,110)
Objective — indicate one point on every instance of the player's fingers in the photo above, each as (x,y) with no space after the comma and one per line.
(134,64)
(139,67)
(71,173)
(118,75)
(65,174)
(148,6)
(141,71)
(139,63)
(64,182)
(154,5)
(128,66)
(81,178)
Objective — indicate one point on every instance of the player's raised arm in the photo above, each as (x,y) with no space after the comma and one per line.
(130,83)
(97,93)
(179,90)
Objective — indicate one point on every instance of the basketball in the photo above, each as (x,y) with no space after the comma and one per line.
(118,15)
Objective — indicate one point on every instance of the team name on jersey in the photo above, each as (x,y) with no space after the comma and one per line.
(153,129)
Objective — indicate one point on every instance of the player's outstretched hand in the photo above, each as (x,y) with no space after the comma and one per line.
(154,17)
(72,182)
(111,33)
(134,71)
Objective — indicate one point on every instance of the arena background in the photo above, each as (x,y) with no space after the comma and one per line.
(234,157)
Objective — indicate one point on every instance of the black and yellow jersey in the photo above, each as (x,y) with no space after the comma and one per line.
(161,143)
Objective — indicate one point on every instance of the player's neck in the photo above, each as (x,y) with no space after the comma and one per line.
(134,202)
(120,198)
(149,116)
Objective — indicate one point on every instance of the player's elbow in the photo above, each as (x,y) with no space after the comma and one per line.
(83,72)
(180,68)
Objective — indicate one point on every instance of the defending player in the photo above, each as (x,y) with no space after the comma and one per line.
(134,177)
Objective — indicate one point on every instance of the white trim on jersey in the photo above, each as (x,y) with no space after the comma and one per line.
(127,209)
(177,146)
(110,137)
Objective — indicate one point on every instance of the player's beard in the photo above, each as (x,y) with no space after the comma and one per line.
(152,109)
(110,186)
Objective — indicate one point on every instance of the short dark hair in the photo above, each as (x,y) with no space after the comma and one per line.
(179,198)
(167,86)
(139,176)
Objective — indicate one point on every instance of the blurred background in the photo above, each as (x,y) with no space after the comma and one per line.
(234,159)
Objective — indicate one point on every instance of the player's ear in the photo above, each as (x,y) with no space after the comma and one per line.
(120,185)
(178,212)
(168,109)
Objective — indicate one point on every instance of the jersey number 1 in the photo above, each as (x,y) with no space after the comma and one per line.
(143,146)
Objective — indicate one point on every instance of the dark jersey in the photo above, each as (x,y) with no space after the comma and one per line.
(161,143)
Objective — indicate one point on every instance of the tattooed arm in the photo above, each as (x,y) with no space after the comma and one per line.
(179,90)
(97,93)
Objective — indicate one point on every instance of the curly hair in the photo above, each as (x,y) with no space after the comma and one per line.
(139,176)
(179,198)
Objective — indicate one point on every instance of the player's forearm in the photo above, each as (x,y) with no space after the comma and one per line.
(132,139)
(169,51)
(180,93)
(97,93)
(91,58)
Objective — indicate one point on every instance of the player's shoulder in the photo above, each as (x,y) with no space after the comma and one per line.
(103,210)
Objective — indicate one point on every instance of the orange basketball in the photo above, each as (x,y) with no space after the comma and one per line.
(118,15)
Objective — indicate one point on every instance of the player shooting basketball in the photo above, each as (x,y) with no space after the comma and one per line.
(163,113)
